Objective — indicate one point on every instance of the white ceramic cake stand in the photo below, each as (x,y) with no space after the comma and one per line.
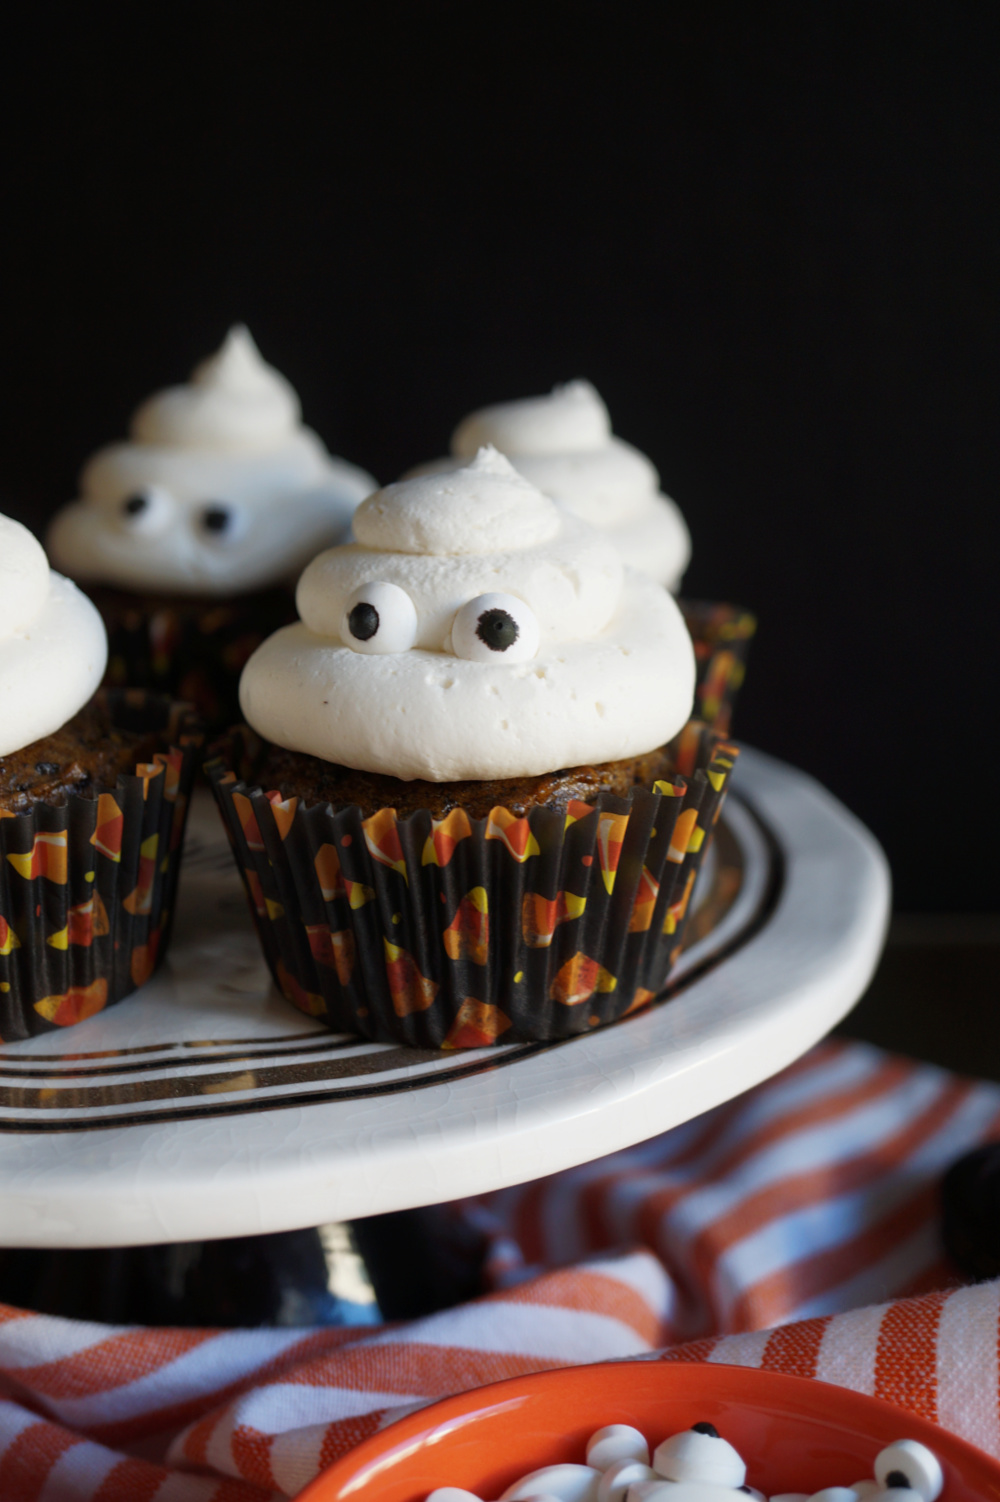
(204,1106)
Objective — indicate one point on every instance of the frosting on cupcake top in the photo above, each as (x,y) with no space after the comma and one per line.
(563,443)
(221,488)
(53,648)
(475,629)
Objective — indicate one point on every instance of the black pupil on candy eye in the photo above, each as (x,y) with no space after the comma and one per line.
(363,621)
(497,629)
(134,505)
(216,518)
(704,1428)
(896,1478)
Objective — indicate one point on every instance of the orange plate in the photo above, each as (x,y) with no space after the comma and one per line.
(795,1434)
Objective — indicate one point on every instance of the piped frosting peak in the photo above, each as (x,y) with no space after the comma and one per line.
(571,419)
(234,400)
(484,507)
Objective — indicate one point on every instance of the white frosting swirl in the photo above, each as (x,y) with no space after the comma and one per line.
(563,444)
(53,647)
(234,400)
(572,419)
(221,490)
(479,509)
(612,674)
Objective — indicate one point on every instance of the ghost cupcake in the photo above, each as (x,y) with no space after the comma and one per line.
(470,820)
(190,536)
(93,796)
(563,443)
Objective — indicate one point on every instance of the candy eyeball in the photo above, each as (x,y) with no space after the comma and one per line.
(620,1476)
(698,1466)
(567,1482)
(616,1442)
(650,1491)
(700,1454)
(495,628)
(378,618)
(148,511)
(909,1465)
(221,522)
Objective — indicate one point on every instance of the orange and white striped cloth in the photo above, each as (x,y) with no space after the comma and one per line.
(807,1206)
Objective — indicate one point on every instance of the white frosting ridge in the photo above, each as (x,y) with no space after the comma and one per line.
(571,419)
(475,509)
(230,441)
(653,543)
(612,674)
(53,647)
(563,444)
(24,576)
(234,400)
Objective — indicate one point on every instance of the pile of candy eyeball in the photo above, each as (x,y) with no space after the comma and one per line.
(697,1465)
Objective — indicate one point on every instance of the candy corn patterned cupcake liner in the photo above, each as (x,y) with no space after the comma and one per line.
(722,635)
(87,888)
(460,932)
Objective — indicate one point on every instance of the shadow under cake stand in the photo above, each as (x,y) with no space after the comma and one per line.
(205,1107)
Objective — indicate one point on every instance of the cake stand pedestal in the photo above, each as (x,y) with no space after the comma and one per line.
(205,1107)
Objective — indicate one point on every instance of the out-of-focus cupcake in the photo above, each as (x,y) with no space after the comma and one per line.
(93,798)
(471,819)
(563,443)
(190,536)
(722,634)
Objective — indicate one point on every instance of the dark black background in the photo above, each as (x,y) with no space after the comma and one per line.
(767,232)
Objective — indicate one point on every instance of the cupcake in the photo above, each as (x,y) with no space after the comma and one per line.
(564,445)
(190,536)
(93,796)
(468,820)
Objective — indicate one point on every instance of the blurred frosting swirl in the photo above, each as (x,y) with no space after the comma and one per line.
(53,647)
(233,401)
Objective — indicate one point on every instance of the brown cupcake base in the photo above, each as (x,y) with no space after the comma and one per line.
(89,751)
(458,929)
(88,876)
(316,781)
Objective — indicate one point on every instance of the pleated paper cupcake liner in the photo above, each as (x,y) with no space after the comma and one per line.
(722,635)
(190,649)
(460,932)
(87,888)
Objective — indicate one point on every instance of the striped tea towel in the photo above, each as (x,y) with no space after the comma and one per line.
(811,1195)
